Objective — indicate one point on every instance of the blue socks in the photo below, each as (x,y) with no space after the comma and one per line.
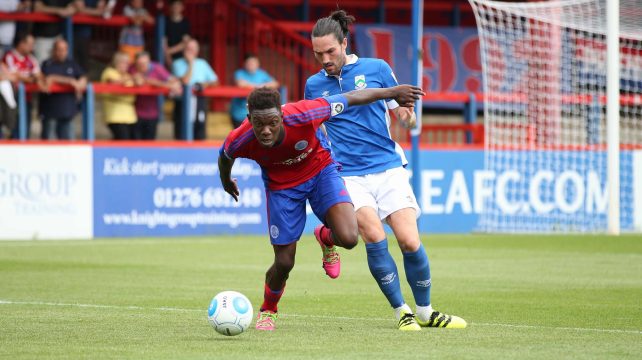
(418,275)
(384,270)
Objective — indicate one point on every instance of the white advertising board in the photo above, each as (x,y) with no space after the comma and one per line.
(46,192)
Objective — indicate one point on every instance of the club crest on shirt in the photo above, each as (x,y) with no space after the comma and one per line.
(300,145)
(325,93)
(274,231)
(360,82)
(336,108)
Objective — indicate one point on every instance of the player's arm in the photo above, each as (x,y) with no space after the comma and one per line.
(405,95)
(225,164)
(405,115)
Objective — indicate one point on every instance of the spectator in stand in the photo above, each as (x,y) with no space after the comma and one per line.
(46,33)
(8,106)
(132,39)
(176,32)
(60,108)
(192,70)
(146,72)
(82,33)
(22,67)
(8,28)
(250,76)
(118,110)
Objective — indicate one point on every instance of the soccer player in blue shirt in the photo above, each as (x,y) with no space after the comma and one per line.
(297,166)
(373,169)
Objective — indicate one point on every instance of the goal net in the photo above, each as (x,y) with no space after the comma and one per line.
(545,77)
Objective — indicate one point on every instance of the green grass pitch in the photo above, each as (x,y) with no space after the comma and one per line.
(538,297)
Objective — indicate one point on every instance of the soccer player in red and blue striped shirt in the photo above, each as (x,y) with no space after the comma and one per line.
(297,165)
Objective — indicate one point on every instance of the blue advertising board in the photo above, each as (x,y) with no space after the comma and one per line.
(160,191)
(164,191)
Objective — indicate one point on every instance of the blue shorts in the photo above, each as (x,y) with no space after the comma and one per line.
(286,208)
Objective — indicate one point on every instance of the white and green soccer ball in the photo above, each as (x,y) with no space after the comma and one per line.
(230,313)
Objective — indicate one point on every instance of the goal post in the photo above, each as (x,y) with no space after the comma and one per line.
(562,114)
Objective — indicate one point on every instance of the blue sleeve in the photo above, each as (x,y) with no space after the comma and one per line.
(78,71)
(387,75)
(338,104)
(239,75)
(307,94)
(44,67)
(210,75)
(265,77)
(178,68)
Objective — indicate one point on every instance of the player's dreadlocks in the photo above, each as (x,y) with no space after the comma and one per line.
(263,98)
(337,23)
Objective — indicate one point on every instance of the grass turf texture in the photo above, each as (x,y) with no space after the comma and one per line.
(524,297)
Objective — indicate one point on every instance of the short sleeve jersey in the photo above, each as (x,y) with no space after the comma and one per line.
(202,72)
(360,135)
(304,150)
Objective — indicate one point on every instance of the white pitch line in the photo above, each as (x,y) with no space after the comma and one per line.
(133,307)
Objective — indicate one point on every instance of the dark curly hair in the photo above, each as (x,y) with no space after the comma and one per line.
(263,98)
(337,24)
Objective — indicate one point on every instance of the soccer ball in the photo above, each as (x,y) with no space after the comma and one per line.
(230,313)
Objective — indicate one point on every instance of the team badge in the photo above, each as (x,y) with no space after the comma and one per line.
(274,231)
(360,82)
(300,145)
(337,108)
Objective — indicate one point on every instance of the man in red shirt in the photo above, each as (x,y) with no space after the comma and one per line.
(24,68)
(297,165)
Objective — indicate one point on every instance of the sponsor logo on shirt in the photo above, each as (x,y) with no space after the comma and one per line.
(360,82)
(297,159)
(301,145)
(337,108)
(325,93)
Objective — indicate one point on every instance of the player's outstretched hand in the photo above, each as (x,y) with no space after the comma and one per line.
(232,188)
(407,95)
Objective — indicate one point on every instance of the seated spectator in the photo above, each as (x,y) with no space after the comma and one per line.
(176,32)
(118,110)
(82,33)
(146,72)
(62,107)
(22,67)
(46,32)
(132,39)
(250,76)
(192,70)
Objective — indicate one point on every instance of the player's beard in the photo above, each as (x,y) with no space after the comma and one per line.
(336,66)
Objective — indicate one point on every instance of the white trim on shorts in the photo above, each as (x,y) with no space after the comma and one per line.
(385,192)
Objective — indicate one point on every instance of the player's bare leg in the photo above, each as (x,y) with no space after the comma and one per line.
(275,279)
(404,224)
(341,231)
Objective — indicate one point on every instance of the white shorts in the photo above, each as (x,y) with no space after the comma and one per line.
(386,192)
